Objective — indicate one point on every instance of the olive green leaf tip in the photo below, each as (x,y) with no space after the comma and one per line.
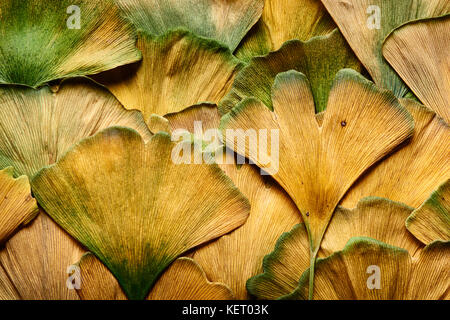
(271,258)
(366,243)
(348,74)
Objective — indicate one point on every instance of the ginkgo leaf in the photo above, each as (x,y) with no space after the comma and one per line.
(319,59)
(316,165)
(47,40)
(17,206)
(221,20)
(376,218)
(36,262)
(156,209)
(367,269)
(423,163)
(366,23)
(282,21)
(418,51)
(431,221)
(183,280)
(39,126)
(178,70)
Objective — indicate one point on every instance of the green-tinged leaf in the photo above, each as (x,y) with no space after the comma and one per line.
(184,279)
(42,40)
(284,20)
(135,208)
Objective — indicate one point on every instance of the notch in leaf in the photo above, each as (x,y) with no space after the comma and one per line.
(319,58)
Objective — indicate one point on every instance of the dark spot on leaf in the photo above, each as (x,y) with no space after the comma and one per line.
(343,123)
(307,214)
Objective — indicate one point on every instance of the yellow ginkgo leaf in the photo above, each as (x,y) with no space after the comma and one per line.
(178,69)
(367,269)
(236,257)
(38,126)
(222,20)
(136,209)
(284,20)
(366,23)
(17,206)
(423,162)
(376,218)
(418,51)
(37,262)
(317,164)
(431,221)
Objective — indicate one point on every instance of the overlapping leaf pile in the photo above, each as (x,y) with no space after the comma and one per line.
(351,199)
